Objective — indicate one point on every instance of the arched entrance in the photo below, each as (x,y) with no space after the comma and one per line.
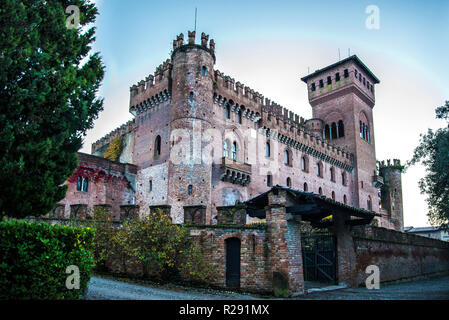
(233,262)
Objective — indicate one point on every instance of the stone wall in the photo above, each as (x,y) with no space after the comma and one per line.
(398,255)
(254,268)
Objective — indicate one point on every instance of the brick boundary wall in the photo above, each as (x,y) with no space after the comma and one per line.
(254,268)
(397,254)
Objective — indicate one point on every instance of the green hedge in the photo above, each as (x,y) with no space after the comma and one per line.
(34,258)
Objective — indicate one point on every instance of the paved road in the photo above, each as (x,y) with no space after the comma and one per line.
(430,289)
(108,289)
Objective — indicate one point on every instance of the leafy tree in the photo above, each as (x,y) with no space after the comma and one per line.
(433,153)
(48,86)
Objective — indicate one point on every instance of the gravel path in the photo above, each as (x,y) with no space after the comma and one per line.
(108,289)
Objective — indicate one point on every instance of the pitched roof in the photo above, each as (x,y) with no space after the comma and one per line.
(353,58)
(310,205)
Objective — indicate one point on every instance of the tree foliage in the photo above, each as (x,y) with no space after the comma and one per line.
(48,86)
(433,153)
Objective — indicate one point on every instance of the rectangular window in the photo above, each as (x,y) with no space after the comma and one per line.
(321,83)
(269,180)
(150,188)
(329,80)
(337,76)
(355,73)
(346,73)
(313,86)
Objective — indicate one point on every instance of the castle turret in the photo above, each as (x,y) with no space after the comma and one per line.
(190,118)
(391,171)
(342,96)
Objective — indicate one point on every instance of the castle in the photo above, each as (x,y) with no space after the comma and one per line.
(200,141)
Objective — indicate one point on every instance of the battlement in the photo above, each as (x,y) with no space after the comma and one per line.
(118,132)
(152,87)
(227,90)
(178,43)
(299,138)
(395,163)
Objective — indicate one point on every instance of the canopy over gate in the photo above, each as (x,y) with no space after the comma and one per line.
(317,209)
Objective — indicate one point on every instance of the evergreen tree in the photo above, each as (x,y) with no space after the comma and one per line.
(48,86)
(433,153)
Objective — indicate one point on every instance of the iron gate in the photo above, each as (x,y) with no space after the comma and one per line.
(319,258)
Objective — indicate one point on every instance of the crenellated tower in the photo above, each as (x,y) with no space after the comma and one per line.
(342,96)
(190,119)
(391,201)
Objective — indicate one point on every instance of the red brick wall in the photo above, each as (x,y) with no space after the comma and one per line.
(112,192)
(398,255)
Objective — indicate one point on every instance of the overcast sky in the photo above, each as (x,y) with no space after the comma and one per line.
(269,45)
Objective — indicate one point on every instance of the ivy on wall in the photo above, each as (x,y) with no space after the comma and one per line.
(114,149)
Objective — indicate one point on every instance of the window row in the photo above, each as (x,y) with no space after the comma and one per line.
(365,82)
(364,132)
(329,80)
(334,131)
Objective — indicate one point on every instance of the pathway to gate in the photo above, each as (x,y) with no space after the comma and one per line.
(109,289)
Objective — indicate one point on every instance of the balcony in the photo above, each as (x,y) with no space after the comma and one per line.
(235,172)
(378,181)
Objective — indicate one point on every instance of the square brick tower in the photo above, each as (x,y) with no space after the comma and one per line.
(342,97)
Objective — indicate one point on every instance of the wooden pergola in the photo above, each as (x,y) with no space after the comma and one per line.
(310,207)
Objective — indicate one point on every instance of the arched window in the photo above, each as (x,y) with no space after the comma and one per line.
(85,184)
(334,131)
(343,178)
(267,150)
(319,169)
(327,132)
(345,199)
(341,129)
(79,183)
(157,146)
(289,182)
(191,96)
(204,70)
(369,204)
(306,187)
(234,151)
(228,111)
(225,149)
(239,117)
(269,180)
(332,170)
(320,190)
(333,195)
(303,164)
(190,189)
(286,158)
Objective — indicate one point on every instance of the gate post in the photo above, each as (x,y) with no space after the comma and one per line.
(346,260)
(285,247)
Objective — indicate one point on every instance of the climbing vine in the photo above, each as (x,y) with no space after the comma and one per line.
(96,174)
(114,149)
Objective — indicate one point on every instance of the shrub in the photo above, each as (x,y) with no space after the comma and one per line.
(152,246)
(34,258)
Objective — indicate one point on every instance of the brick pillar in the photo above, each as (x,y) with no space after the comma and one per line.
(346,259)
(285,247)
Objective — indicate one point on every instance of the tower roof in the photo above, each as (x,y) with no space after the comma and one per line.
(353,58)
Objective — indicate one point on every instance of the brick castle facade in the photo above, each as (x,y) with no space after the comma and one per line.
(201,141)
